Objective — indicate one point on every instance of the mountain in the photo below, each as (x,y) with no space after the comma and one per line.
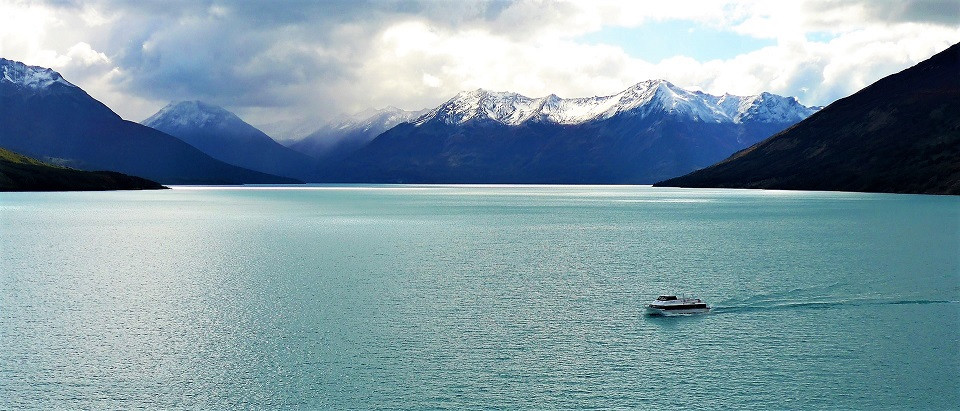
(22,173)
(346,134)
(898,135)
(648,132)
(46,117)
(225,137)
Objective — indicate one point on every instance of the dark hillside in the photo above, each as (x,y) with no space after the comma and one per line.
(898,135)
(22,173)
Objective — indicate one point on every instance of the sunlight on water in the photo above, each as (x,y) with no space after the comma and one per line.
(425,297)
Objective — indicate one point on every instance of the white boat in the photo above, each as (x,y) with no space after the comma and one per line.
(671,305)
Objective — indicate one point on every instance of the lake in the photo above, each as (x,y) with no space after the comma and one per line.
(426,297)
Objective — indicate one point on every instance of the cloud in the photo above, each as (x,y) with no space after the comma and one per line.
(84,55)
(272,61)
(939,12)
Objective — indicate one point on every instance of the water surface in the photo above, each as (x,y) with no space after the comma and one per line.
(360,297)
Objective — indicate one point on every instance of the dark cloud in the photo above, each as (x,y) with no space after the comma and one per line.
(938,12)
(942,12)
(256,53)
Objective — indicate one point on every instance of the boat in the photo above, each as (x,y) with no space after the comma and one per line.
(672,305)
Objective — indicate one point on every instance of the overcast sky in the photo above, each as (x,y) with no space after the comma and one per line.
(276,60)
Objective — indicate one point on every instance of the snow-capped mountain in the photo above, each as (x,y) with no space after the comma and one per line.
(765,108)
(228,138)
(44,116)
(349,132)
(645,98)
(646,133)
(192,114)
(30,77)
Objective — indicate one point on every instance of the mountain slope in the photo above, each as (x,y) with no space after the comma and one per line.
(347,134)
(225,137)
(651,131)
(22,173)
(898,135)
(46,117)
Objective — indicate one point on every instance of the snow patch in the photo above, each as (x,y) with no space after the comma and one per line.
(192,114)
(31,77)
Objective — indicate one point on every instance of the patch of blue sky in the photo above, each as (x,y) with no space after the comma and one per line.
(821,36)
(659,40)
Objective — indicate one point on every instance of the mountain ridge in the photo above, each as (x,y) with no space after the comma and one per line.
(642,98)
(648,132)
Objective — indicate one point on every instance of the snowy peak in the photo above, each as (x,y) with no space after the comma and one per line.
(646,98)
(195,119)
(29,77)
(191,114)
(483,105)
(771,108)
(661,96)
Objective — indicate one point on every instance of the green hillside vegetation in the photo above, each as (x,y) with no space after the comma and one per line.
(21,173)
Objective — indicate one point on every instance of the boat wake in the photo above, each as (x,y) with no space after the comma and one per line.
(818,305)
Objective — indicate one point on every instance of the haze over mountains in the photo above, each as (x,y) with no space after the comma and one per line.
(900,135)
(348,133)
(48,118)
(290,130)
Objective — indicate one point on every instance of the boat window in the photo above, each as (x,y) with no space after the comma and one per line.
(666,297)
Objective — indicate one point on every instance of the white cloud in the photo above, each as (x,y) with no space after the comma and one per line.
(715,13)
(461,60)
(815,72)
(819,73)
(431,81)
(23,34)
(82,53)
(273,62)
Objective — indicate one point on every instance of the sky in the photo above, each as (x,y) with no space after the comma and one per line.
(304,60)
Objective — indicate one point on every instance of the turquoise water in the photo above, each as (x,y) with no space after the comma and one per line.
(471,296)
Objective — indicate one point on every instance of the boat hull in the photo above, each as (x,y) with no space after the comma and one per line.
(654,311)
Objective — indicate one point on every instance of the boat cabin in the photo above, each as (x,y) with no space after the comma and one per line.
(666,298)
